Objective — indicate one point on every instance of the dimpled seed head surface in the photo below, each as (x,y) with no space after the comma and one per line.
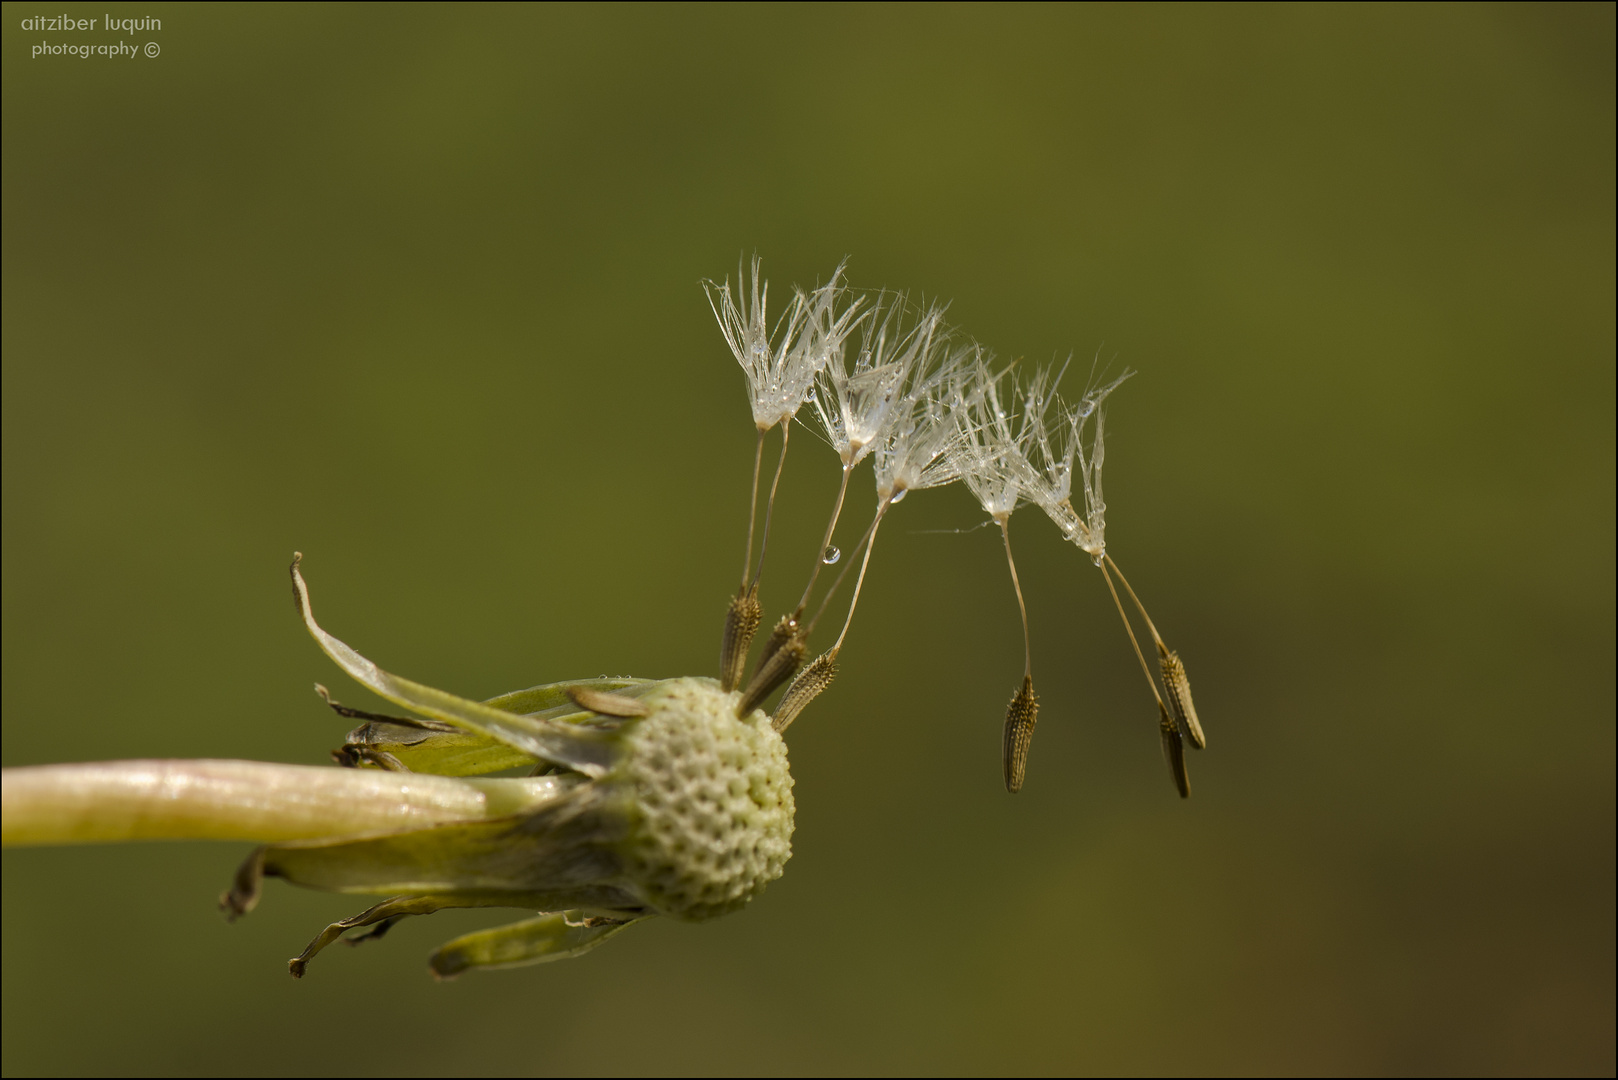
(714,796)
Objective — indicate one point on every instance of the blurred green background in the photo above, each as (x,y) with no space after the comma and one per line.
(414,290)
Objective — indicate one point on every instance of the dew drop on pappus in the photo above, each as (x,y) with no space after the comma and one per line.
(831,554)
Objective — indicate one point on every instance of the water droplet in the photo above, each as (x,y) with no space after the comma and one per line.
(899,497)
(831,554)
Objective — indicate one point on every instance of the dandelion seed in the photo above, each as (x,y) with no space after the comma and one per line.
(1172,669)
(993,461)
(1174,753)
(1058,461)
(781,366)
(777,363)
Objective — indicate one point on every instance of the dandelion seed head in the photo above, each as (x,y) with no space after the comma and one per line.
(780,362)
(856,407)
(1077,447)
(997,436)
(916,450)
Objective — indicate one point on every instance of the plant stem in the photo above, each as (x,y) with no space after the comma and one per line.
(177,799)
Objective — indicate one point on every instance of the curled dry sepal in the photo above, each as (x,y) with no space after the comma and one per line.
(659,799)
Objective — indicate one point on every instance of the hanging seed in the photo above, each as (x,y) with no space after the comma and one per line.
(1021,715)
(1179,688)
(1174,752)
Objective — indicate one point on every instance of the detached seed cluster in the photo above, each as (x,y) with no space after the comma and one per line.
(930,406)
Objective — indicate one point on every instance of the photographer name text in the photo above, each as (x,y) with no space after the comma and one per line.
(65,23)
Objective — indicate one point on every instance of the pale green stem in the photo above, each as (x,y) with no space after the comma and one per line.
(176,799)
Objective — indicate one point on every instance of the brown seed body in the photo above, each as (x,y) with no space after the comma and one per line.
(1179,688)
(1021,715)
(1174,751)
(741,623)
(785,627)
(805,688)
(772,673)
